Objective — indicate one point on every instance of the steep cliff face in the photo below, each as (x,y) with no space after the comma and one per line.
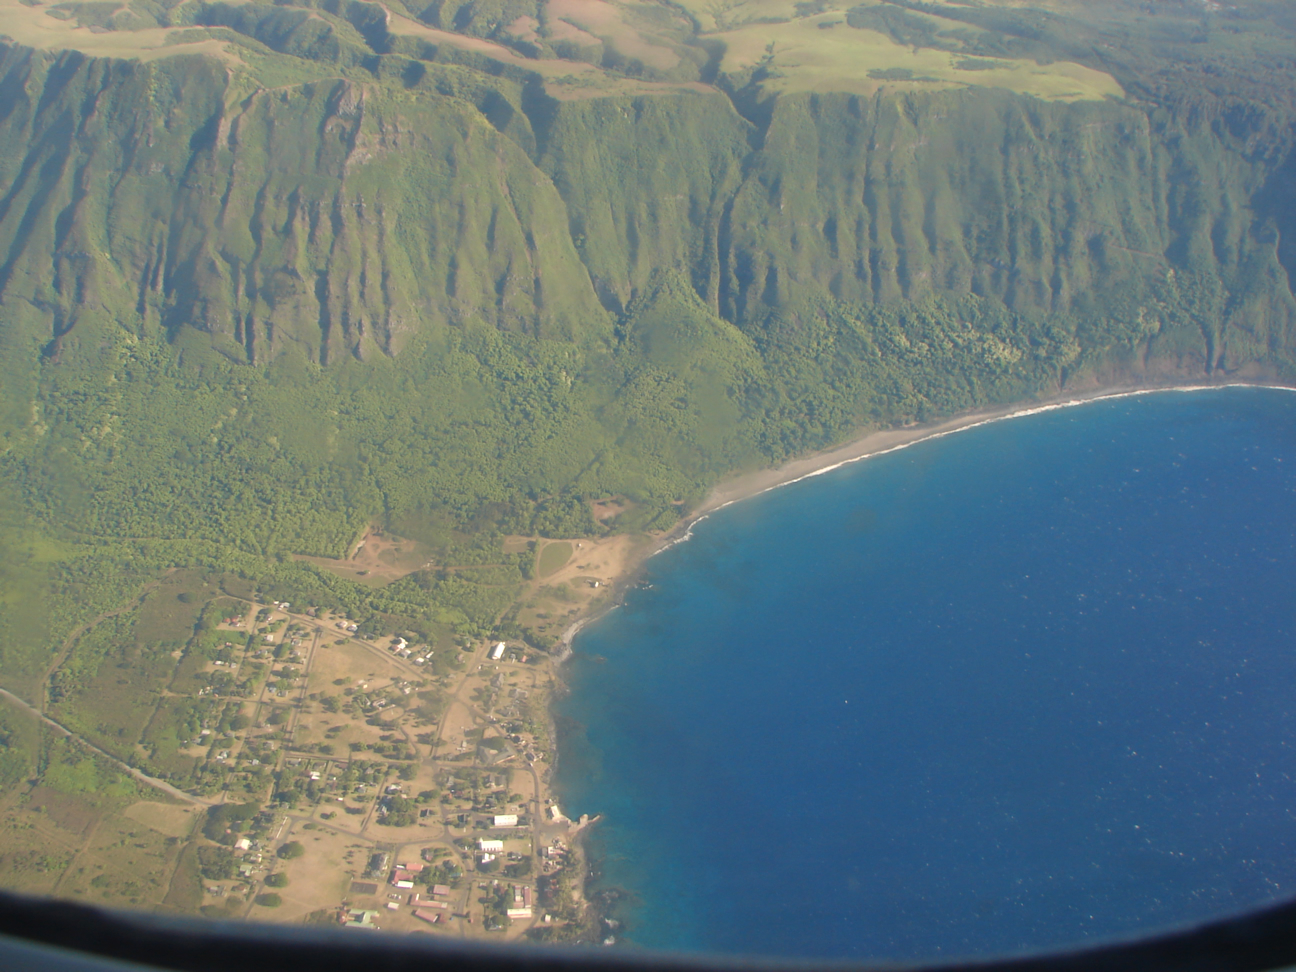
(1047,207)
(328,214)
(342,214)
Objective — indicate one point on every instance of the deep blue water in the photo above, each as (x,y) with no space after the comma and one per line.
(1030,684)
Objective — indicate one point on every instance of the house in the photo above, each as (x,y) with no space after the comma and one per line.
(490,846)
(441,889)
(505,820)
(497,652)
(515,913)
(431,917)
(355,918)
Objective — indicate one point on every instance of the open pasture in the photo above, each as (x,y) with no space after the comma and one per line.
(125,864)
(823,53)
(41,26)
(320,877)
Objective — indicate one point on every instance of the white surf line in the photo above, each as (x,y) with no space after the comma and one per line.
(687,535)
(572,632)
(988,420)
(688,532)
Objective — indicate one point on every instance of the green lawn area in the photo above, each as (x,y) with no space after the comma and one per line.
(553,557)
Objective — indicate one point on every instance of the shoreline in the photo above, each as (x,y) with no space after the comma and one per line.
(868,445)
(880,442)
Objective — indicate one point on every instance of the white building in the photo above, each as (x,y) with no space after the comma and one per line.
(506,820)
(497,652)
(490,846)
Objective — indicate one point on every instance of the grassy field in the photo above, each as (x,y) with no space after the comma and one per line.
(805,47)
(36,26)
(124,863)
(553,557)
(823,53)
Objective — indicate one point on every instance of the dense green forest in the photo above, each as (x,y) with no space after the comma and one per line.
(294,270)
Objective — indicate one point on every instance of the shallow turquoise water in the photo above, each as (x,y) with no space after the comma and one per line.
(1026,685)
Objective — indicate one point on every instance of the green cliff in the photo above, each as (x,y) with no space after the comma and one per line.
(270,273)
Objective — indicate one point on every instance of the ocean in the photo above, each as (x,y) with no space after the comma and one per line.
(1027,685)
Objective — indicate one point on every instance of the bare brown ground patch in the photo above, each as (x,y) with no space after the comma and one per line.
(168,819)
(562,30)
(610,508)
(320,878)
(379,558)
(615,22)
(356,667)
(587,581)
(350,661)
(124,864)
(67,811)
(457,721)
(573,88)
(34,27)
(524,28)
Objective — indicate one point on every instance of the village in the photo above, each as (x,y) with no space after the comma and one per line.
(411,781)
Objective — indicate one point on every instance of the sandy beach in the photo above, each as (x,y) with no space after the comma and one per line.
(865,446)
(880,442)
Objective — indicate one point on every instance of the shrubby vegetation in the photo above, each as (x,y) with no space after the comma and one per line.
(298,310)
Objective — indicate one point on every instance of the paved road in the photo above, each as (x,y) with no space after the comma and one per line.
(142,777)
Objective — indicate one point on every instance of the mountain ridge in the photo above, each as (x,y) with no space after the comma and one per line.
(252,301)
(280,222)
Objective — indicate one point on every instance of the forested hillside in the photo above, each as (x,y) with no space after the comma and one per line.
(273,273)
